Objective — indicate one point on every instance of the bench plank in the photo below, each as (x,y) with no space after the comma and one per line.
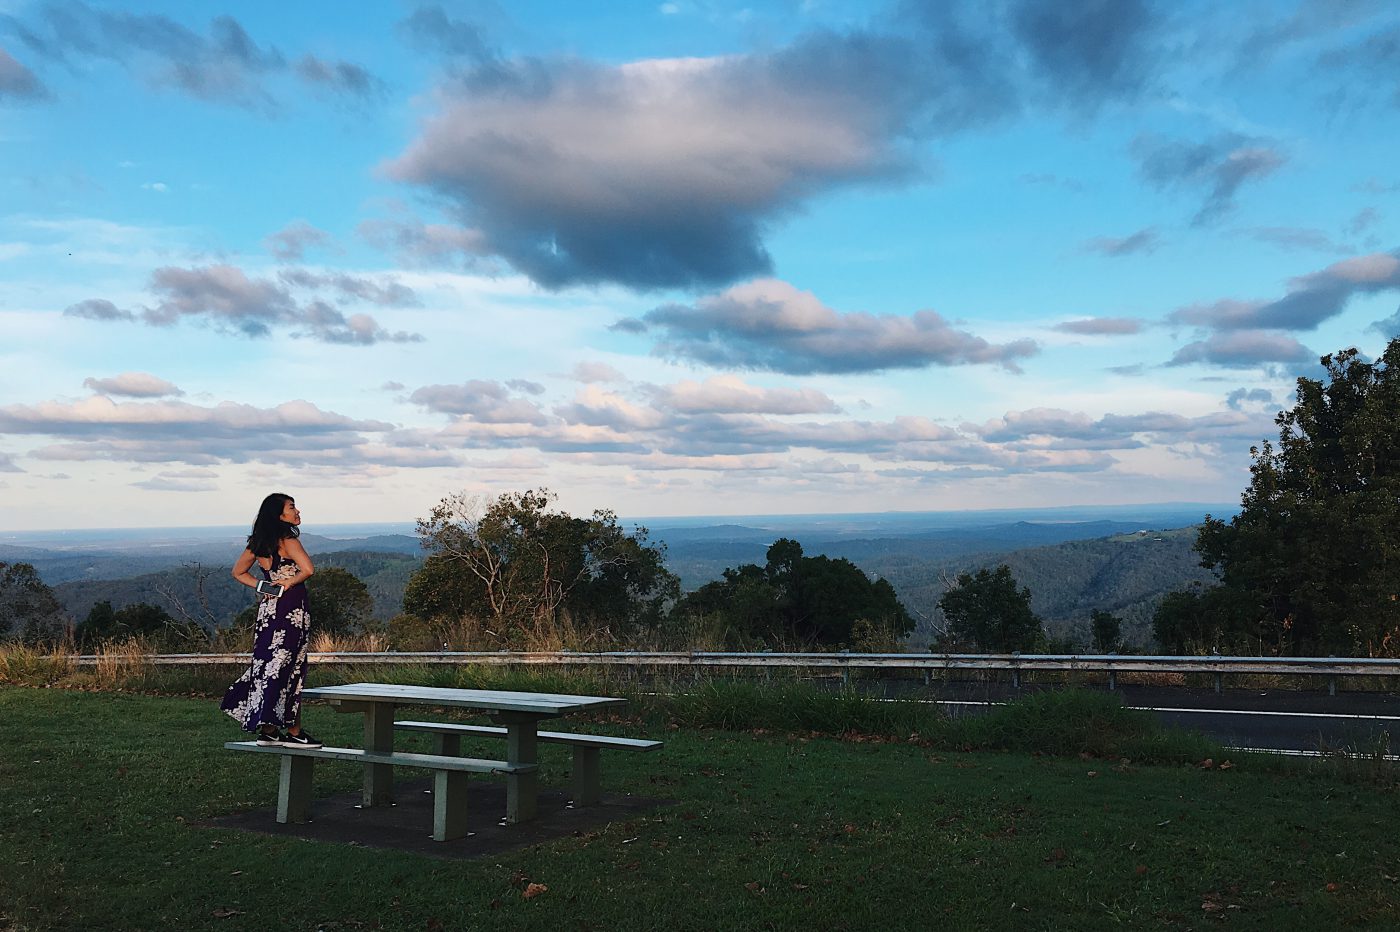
(552,737)
(396,759)
(449,780)
(587,782)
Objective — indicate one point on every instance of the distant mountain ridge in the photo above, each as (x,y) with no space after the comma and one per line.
(1068,572)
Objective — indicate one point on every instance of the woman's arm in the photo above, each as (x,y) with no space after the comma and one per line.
(242,569)
(294,551)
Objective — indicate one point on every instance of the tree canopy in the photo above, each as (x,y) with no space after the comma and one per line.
(986,610)
(514,558)
(796,599)
(1309,565)
(29,610)
(340,602)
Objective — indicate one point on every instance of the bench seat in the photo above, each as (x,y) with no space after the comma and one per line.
(587,767)
(449,779)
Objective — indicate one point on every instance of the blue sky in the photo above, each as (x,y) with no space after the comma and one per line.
(677,258)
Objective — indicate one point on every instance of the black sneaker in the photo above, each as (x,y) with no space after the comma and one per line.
(268,739)
(302,739)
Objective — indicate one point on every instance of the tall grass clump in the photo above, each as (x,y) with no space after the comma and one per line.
(1072,721)
(25,665)
(796,707)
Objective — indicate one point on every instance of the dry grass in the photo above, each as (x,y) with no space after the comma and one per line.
(23,665)
(120,663)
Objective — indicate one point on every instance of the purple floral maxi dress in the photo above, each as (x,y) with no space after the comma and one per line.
(269,692)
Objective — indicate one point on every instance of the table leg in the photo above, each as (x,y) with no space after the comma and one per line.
(379,736)
(522,789)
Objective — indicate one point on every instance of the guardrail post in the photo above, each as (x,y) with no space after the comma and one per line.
(1219,679)
(928,677)
(1331,680)
(1015,670)
(1112,681)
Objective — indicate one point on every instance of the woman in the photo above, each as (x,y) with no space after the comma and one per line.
(267,698)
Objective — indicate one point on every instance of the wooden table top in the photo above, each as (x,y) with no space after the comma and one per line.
(492,699)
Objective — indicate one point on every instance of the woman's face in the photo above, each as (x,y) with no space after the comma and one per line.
(290,513)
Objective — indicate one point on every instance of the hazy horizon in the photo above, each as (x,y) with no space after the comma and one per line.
(886,522)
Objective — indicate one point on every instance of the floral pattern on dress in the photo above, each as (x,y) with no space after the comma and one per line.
(269,691)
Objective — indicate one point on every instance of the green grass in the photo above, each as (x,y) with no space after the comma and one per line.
(774,830)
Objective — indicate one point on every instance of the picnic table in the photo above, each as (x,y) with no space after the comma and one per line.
(519,712)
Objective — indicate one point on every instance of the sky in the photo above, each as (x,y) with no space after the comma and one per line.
(677,258)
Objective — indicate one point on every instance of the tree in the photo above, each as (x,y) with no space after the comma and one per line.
(1312,561)
(340,602)
(28,608)
(1204,620)
(987,610)
(525,562)
(799,599)
(140,619)
(1107,631)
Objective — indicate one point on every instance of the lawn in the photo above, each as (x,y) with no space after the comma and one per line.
(102,790)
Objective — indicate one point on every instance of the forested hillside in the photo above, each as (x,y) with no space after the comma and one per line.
(1126,574)
(210,595)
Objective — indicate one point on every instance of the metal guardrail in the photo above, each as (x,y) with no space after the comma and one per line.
(845,662)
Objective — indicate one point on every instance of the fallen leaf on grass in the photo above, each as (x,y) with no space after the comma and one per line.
(1333,887)
(1140,869)
(754,887)
(534,890)
(1057,855)
(223,912)
(1093,773)
(1226,765)
(1208,764)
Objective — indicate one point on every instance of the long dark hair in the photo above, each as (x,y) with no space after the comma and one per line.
(268,528)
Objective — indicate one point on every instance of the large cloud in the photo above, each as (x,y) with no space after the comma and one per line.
(230,300)
(294,433)
(1244,348)
(1311,298)
(666,173)
(769,324)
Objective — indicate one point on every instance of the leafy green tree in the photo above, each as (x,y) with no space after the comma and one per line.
(99,625)
(139,619)
(522,561)
(794,598)
(29,610)
(340,602)
(1312,561)
(986,610)
(441,589)
(1107,630)
(1205,620)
